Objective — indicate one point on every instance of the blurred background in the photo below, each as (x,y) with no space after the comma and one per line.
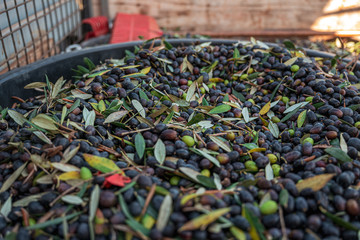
(35,29)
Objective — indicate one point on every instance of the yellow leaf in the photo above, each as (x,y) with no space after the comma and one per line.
(69,176)
(216,80)
(257,150)
(265,108)
(301,118)
(102,106)
(146,70)
(238,233)
(315,183)
(148,221)
(204,220)
(264,121)
(101,164)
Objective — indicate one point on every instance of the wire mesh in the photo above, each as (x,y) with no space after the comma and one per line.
(35,29)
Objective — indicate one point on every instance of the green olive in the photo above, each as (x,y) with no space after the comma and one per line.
(295,68)
(85,173)
(188,140)
(174,180)
(268,207)
(310,140)
(272,158)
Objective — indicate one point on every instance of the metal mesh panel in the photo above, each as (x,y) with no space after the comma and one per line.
(35,29)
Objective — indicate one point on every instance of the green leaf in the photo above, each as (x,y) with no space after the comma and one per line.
(221,143)
(197,118)
(291,61)
(137,105)
(99,73)
(17,117)
(284,197)
(143,95)
(63,114)
(256,226)
(274,129)
(102,106)
(168,45)
(160,151)
(94,202)
(75,105)
(296,106)
(71,199)
(206,181)
(100,163)
(9,182)
(338,221)
(275,91)
(89,117)
(169,117)
(6,208)
(245,113)
(238,95)
(57,87)
(191,91)
(115,116)
(44,121)
(237,233)
(140,145)
(164,213)
(89,63)
(236,53)
(206,155)
(338,154)
(220,109)
(53,222)
(289,44)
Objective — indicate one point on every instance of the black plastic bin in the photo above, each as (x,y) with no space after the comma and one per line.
(13,82)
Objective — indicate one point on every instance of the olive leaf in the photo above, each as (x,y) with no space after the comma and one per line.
(101,164)
(237,233)
(204,220)
(140,145)
(343,144)
(26,200)
(245,114)
(274,129)
(220,143)
(35,85)
(89,117)
(295,106)
(17,117)
(64,167)
(115,116)
(8,183)
(53,222)
(291,61)
(217,181)
(143,95)
(315,183)
(284,197)
(338,220)
(196,119)
(301,119)
(63,114)
(164,213)
(191,91)
(220,109)
(78,94)
(257,229)
(265,108)
(57,87)
(43,137)
(269,173)
(44,121)
(71,199)
(160,151)
(206,155)
(338,154)
(137,105)
(6,208)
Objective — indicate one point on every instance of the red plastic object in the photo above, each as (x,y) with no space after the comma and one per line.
(99,26)
(128,27)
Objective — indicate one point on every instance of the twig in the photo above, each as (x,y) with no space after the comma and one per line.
(148,199)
